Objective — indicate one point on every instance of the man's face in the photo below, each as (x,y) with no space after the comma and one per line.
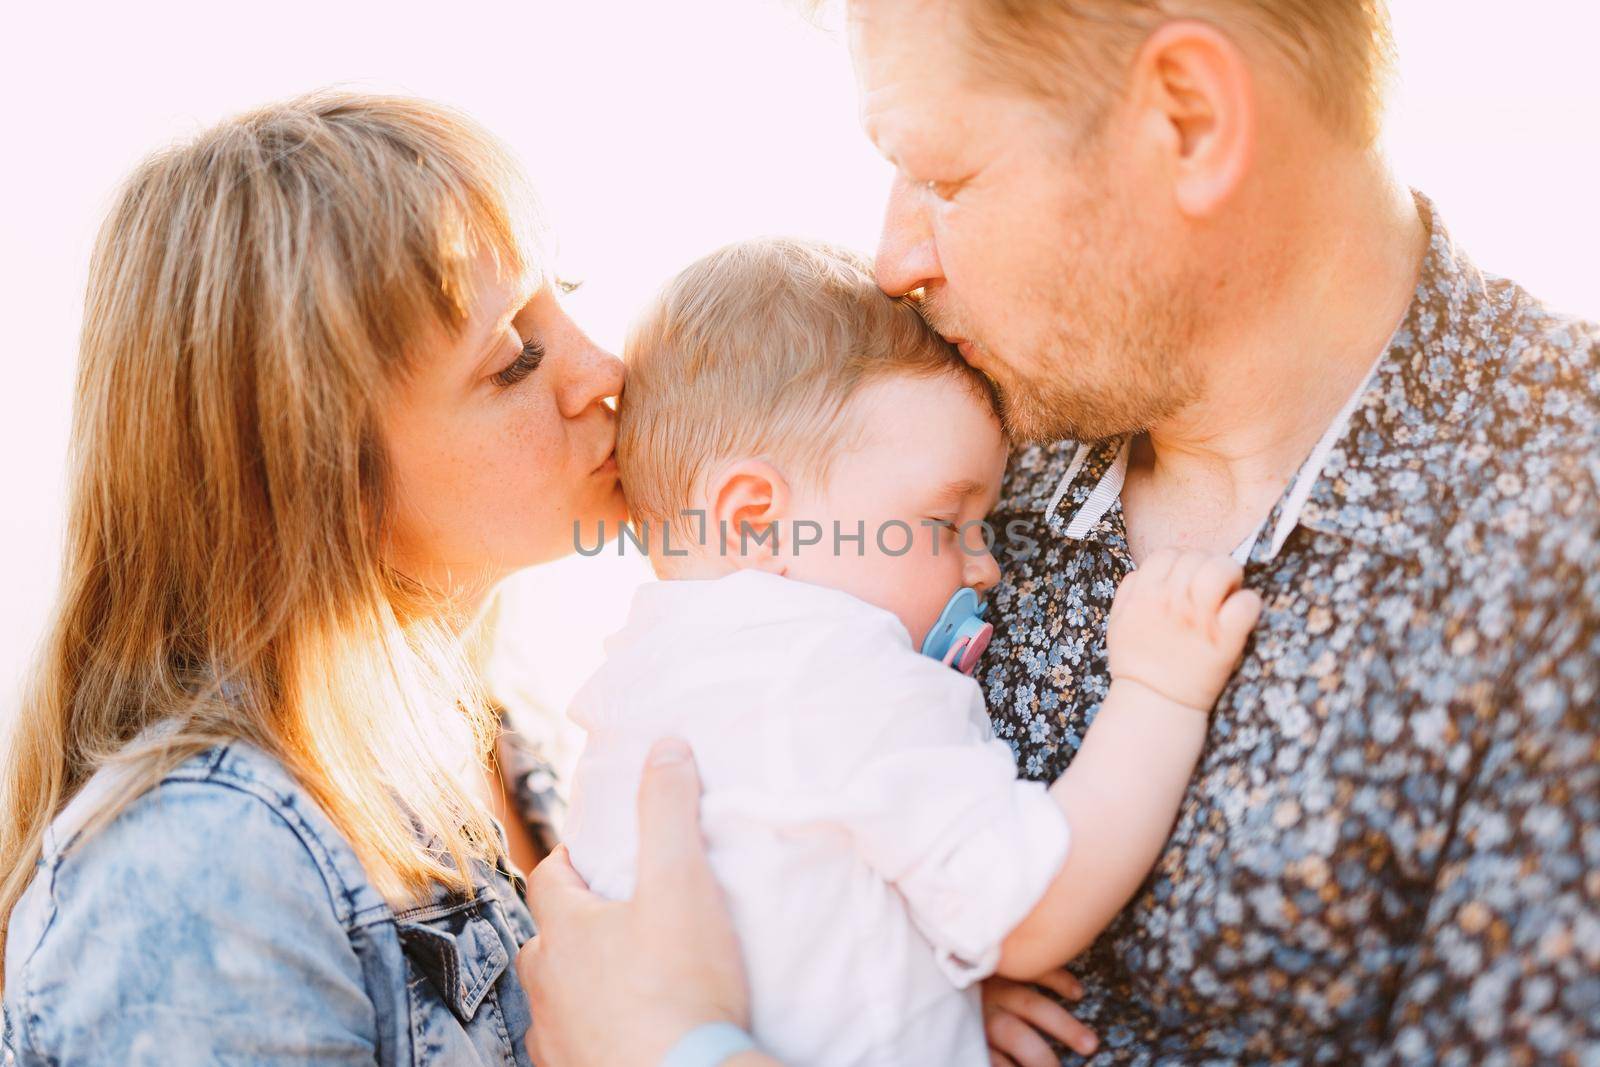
(1049,254)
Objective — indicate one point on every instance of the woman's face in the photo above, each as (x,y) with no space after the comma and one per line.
(499,441)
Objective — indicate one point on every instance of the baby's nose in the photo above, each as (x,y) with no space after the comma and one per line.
(981,572)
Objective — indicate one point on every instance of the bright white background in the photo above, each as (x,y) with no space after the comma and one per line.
(656,131)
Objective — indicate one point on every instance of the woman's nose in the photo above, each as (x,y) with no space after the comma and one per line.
(592,375)
(907,258)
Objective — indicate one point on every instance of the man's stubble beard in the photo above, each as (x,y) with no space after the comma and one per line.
(1114,378)
(1099,373)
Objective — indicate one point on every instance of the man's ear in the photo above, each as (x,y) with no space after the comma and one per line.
(749,503)
(1195,88)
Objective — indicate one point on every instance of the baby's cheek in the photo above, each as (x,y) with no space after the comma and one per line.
(930,584)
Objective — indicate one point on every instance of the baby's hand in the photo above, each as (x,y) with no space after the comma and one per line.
(1179,623)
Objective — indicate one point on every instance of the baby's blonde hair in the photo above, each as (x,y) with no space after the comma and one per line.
(756,350)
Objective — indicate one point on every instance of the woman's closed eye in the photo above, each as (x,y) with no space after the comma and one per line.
(527,361)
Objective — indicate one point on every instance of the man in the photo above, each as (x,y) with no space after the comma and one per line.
(1163,230)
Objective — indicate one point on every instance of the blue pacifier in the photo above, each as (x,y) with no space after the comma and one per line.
(960,635)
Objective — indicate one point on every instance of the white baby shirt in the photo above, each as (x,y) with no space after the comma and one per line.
(871,834)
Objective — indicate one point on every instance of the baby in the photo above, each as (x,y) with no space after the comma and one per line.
(812,465)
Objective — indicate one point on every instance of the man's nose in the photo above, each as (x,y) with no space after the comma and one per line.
(907,257)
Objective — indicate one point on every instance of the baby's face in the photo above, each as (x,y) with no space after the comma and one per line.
(930,460)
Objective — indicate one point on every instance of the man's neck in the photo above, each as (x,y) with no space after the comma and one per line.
(1280,368)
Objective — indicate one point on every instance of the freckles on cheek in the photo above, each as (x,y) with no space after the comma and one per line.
(519,458)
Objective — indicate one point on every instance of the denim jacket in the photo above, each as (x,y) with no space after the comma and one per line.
(220,918)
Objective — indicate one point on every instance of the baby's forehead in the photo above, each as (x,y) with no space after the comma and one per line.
(937,433)
(941,404)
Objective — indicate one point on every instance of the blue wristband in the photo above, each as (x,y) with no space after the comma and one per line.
(708,1045)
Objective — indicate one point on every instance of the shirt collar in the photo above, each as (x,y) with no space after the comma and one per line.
(1372,487)
(1376,487)
(1090,490)
(739,601)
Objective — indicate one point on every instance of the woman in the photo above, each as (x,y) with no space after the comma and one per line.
(326,399)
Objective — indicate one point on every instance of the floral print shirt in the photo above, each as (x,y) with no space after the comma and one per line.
(1390,852)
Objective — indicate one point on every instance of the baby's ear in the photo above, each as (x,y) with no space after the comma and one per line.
(749,503)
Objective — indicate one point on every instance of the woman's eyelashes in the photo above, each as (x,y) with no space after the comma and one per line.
(527,361)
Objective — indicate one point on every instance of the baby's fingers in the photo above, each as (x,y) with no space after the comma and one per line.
(1238,616)
(1182,579)
(1213,581)
(1159,566)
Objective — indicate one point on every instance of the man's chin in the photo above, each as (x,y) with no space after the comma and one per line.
(1040,421)
(1026,427)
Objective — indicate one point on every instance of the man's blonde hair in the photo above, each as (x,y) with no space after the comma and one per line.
(756,351)
(1341,51)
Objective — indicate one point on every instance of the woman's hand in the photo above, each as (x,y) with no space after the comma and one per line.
(1015,1015)
(616,984)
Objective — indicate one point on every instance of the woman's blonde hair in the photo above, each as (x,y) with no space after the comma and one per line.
(252,296)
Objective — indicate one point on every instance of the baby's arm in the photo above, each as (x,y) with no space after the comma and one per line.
(1177,627)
